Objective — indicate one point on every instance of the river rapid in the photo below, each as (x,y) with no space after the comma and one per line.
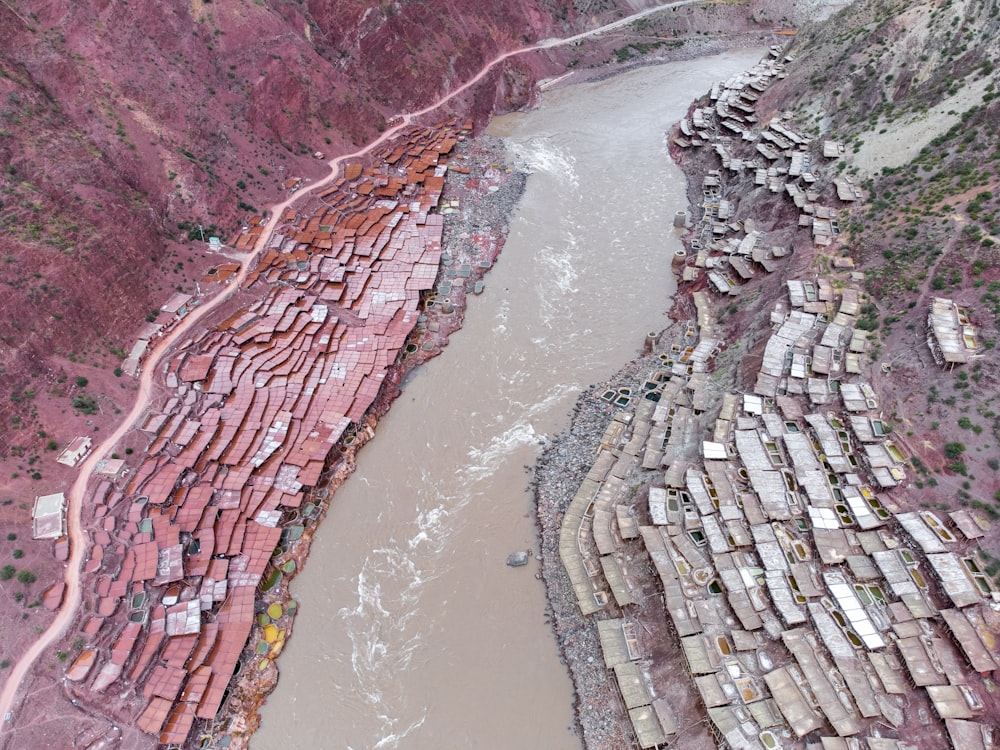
(412,632)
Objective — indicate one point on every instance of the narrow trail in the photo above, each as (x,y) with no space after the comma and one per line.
(76,495)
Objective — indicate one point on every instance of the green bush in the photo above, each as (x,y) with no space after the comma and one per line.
(7,572)
(85,403)
(26,577)
(954,450)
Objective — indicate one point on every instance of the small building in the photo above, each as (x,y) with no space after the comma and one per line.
(178,304)
(847,191)
(48,516)
(111,468)
(833,149)
(75,451)
(950,337)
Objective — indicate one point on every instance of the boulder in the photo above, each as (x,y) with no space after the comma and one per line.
(517,559)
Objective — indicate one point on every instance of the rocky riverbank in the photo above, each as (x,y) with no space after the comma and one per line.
(601,719)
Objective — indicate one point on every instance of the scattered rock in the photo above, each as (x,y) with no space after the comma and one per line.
(517,559)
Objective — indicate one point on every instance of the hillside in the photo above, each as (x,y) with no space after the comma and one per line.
(909,89)
(123,127)
(790,539)
(129,135)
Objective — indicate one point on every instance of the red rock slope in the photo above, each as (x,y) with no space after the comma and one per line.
(121,121)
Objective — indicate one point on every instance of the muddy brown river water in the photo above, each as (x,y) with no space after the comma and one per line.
(412,632)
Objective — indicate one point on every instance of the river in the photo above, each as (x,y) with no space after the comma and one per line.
(412,631)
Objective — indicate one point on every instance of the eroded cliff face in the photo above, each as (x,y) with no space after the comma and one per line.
(125,125)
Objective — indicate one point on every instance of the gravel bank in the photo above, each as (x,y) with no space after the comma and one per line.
(601,718)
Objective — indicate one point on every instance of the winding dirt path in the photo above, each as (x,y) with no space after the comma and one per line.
(76,496)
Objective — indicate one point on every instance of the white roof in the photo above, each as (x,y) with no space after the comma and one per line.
(852,608)
(714,450)
(753,404)
(658,505)
(47,516)
(48,505)
(823,518)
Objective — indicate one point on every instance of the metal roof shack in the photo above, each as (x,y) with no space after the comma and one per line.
(854,611)
(176,305)
(729,728)
(858,397)
(952,701)
(970,735)
(576,528)
(847,191)
(890,673)
(615,577)
(647,726)
(917,528)
(970,525)
(658,505)
(802,644)
(849,661)
(112,467)
(632,684)
(955,579)
(898,575)
(75,451)
(48,516)
(618,641)
(784,687)
(919,664)
(833,149)
(950,336)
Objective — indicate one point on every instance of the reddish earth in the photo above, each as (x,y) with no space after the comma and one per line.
(116,145)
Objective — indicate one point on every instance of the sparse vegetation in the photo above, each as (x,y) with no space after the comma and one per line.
(85,403)
(26,577)
(954,450)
